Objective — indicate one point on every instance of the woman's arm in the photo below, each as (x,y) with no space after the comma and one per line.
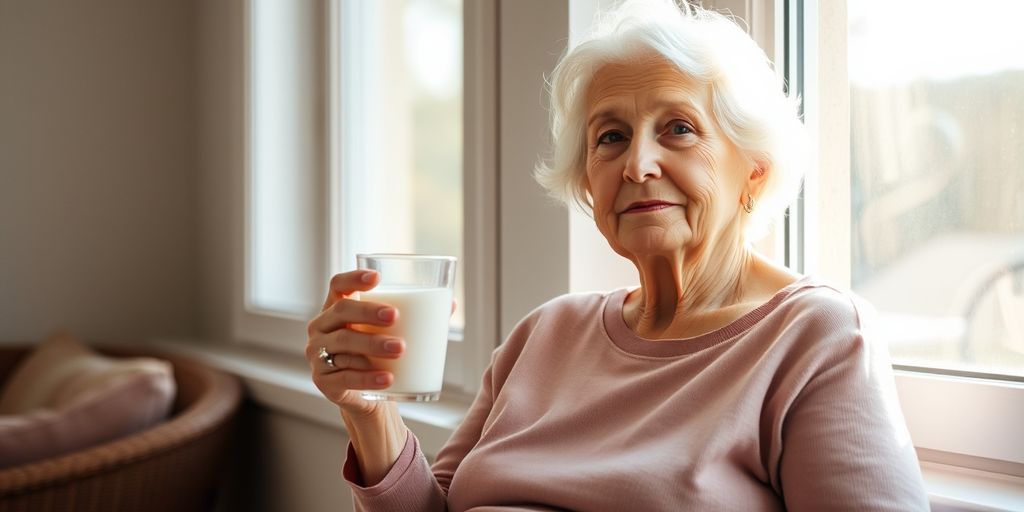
(845,444)
(378,439)
(376,428)
(399,478)
(409,483)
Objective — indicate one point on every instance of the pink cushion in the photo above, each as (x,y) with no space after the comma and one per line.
(64,397)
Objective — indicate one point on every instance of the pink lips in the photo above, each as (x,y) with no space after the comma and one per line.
(647,206)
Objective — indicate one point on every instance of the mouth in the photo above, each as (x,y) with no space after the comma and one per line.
(648,206)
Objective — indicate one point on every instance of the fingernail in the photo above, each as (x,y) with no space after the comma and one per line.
(393,346)
(368,276)
(386,314)
(381,379)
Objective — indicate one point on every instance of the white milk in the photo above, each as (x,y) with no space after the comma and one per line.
(423,324)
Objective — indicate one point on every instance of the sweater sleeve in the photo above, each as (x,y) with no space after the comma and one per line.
(845,443)
(407,487)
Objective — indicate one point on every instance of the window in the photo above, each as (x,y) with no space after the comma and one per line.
(285,245)
(317,169)
(894,212)
(280,149)
(937,225)
(356,142)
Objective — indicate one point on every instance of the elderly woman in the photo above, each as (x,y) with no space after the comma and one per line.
(724,382)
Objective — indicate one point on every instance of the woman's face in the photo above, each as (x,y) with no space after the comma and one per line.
(661,174)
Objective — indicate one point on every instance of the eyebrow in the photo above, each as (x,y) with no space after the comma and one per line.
(660,105)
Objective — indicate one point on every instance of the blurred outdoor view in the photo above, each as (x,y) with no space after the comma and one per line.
(402,113)
(937,124)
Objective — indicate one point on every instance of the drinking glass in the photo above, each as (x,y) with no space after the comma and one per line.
(420,287)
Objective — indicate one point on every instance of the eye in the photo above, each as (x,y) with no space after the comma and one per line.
(610,137)
(680,128)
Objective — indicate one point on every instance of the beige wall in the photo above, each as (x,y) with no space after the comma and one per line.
(221,100)
(97,168)
(285,463)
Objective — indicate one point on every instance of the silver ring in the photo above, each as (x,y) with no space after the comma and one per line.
(326,357)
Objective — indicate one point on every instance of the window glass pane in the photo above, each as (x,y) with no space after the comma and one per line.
(284,161)
(937,123)
(401,122)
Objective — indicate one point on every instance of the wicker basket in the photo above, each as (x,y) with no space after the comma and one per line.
(173,466)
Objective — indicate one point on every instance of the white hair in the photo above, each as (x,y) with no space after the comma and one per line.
(747,97)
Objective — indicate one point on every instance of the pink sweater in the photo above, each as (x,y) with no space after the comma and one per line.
(792,406)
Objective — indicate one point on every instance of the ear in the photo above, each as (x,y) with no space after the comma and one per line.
(758,176)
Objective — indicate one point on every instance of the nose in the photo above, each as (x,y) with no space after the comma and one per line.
(642,161)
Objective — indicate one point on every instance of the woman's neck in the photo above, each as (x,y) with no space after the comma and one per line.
(682,292)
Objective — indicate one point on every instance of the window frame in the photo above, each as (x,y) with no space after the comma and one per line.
(479,196)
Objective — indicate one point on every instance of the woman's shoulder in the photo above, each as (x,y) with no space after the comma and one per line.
(818,317)
(822,301)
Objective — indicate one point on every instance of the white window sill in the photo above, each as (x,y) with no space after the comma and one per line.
(281,383)
(952,488)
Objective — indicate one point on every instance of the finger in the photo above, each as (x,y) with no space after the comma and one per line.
(343,361)
(357,343)
(453,307)
(344,284)
(355,379)
(348,311)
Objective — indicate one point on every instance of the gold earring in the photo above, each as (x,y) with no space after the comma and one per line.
(749,207)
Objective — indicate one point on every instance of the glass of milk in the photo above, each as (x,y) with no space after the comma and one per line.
(420,288)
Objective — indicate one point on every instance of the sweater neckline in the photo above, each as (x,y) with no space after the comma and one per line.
(627,340)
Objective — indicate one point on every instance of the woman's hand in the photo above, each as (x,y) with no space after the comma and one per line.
(375,428)
(331,329)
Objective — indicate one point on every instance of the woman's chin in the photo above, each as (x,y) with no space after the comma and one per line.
(640,243)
